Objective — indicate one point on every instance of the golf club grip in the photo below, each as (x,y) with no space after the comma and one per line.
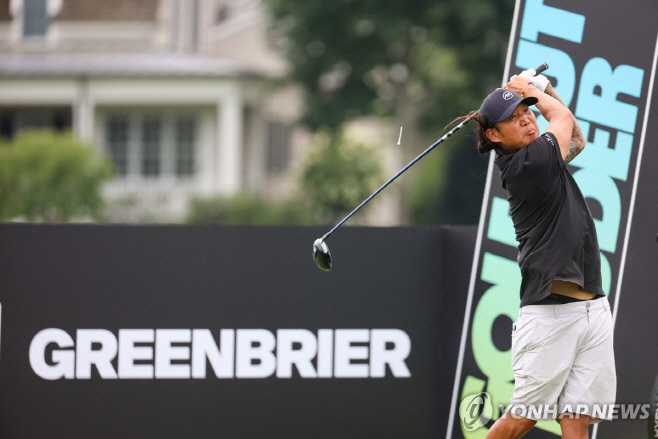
(542,68)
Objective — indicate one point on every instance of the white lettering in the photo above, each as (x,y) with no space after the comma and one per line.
(394,357)
(102,357)
(325,353)
(287,355)
(129,353)
(535,411)
(63,360)
(345,352)
(254,356)
(204,347)
(600,411)
(630,411)
(242,353)
(165,353)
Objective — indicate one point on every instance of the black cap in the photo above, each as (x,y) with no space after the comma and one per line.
(501,103)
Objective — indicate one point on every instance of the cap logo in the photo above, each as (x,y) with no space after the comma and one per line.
(508,95)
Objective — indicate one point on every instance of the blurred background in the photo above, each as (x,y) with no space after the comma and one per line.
(243,111)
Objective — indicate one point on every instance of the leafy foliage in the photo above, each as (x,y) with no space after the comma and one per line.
(362,58)
(51,177)
(420,63)
(340,173)
(247,209)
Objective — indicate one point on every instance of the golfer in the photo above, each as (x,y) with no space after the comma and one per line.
(562,343)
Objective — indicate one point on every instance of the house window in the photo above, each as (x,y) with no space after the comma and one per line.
(35,18)
(278,147)
(151,132)
(152,144)
(117,143)
(185,129)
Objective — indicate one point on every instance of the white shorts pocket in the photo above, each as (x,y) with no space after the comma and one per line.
(522,335)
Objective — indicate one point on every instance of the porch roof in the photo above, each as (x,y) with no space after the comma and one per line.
(126,65)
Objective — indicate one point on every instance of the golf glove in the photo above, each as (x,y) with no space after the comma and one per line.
(540,81)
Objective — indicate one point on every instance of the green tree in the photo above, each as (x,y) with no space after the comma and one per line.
(420,64)
(340,172)
(51,177)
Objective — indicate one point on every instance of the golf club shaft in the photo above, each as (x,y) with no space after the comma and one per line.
(409,165)
(538,71)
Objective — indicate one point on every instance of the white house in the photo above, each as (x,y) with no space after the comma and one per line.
(177,92)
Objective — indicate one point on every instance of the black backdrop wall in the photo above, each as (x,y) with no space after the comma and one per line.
(74,279)
(100,285)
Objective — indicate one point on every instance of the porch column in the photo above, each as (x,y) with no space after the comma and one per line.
(83,112)
(229,141)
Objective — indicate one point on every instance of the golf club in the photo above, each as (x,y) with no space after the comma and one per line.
(321,253)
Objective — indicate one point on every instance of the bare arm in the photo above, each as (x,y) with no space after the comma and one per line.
(577,141)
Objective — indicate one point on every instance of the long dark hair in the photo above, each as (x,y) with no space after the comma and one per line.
(484,145)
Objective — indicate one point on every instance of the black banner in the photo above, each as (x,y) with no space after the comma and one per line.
(169,332)
(602,58)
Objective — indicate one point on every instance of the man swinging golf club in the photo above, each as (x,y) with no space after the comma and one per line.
(562,344)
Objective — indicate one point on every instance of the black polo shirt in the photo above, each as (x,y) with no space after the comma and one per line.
(554,227)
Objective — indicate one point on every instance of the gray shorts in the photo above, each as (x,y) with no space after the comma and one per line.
(563,361)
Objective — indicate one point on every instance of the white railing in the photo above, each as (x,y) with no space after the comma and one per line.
(143,201)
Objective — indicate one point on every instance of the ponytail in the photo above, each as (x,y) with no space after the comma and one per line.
(484,145)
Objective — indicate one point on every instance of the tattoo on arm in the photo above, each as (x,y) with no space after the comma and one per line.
(574,150)
(577,139)
(551,92)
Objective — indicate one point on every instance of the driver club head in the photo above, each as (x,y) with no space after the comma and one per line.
(322,255)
